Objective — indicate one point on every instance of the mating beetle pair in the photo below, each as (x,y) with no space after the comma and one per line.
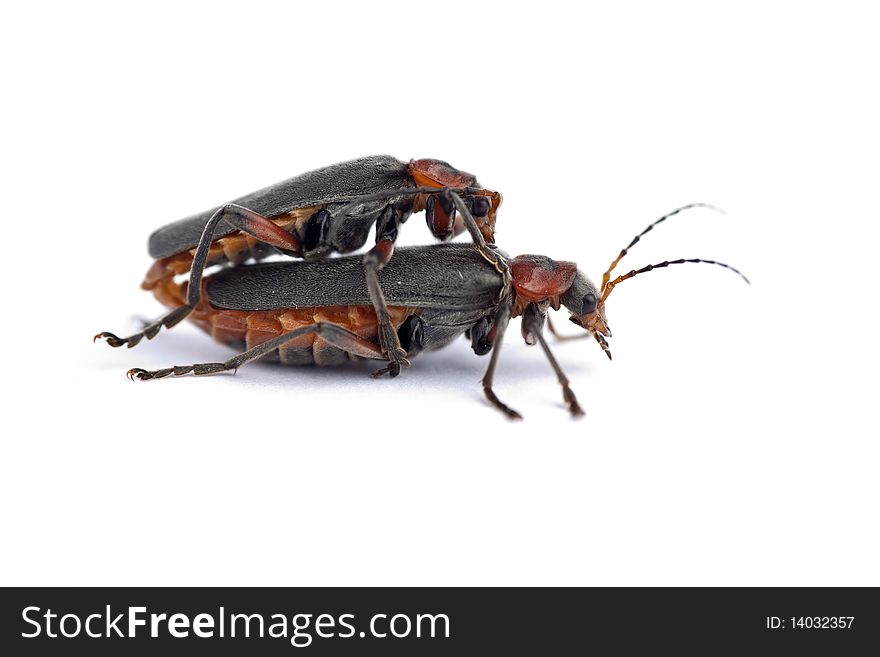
(316,214)
(326,310)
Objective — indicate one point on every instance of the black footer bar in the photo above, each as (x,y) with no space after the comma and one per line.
(429,621)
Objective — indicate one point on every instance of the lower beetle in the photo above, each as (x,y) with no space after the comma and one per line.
(319,213)
(319,312)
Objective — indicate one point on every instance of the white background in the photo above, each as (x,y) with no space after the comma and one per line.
(733,440)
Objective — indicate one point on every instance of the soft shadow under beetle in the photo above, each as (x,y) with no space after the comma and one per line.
(320,312)
(318,213)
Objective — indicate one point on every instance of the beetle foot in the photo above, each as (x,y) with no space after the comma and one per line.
(113,340)
(144,375)
(149,331)
(500,405)
(138,373)
(131,341)
(198,369)
(392,370)
(573,405)
(393,367)
(397,360)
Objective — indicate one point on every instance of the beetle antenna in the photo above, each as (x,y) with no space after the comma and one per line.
(635,240)
(635,272)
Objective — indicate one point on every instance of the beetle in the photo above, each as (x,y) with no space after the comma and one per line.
(319,312)
(316,214)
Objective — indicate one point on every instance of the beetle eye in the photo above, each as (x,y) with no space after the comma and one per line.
(480,206)
(588,304)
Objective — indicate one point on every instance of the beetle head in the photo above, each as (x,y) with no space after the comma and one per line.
(540,280)
(587,308)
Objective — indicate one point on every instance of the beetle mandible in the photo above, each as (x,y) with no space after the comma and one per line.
(319,312)
(314,215)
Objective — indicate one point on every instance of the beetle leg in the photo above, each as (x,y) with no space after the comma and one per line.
(441,216)
(567,392)
(469,222)
(335,335)
(374,260)
(488,251)
(533,331)
(502,319)
(247,221)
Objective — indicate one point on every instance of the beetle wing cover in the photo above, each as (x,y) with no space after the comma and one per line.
(443,276)
(366,175)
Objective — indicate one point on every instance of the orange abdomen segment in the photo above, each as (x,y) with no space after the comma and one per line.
(234,248)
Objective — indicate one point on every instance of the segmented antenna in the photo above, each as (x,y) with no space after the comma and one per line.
(635,272)
(635,240)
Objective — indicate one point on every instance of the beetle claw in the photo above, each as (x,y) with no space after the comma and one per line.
(394,366)
(392,370)
(137,372)
(396,360)
(111,338)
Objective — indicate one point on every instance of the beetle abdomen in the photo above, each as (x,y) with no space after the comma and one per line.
(232,249)
(245,330)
